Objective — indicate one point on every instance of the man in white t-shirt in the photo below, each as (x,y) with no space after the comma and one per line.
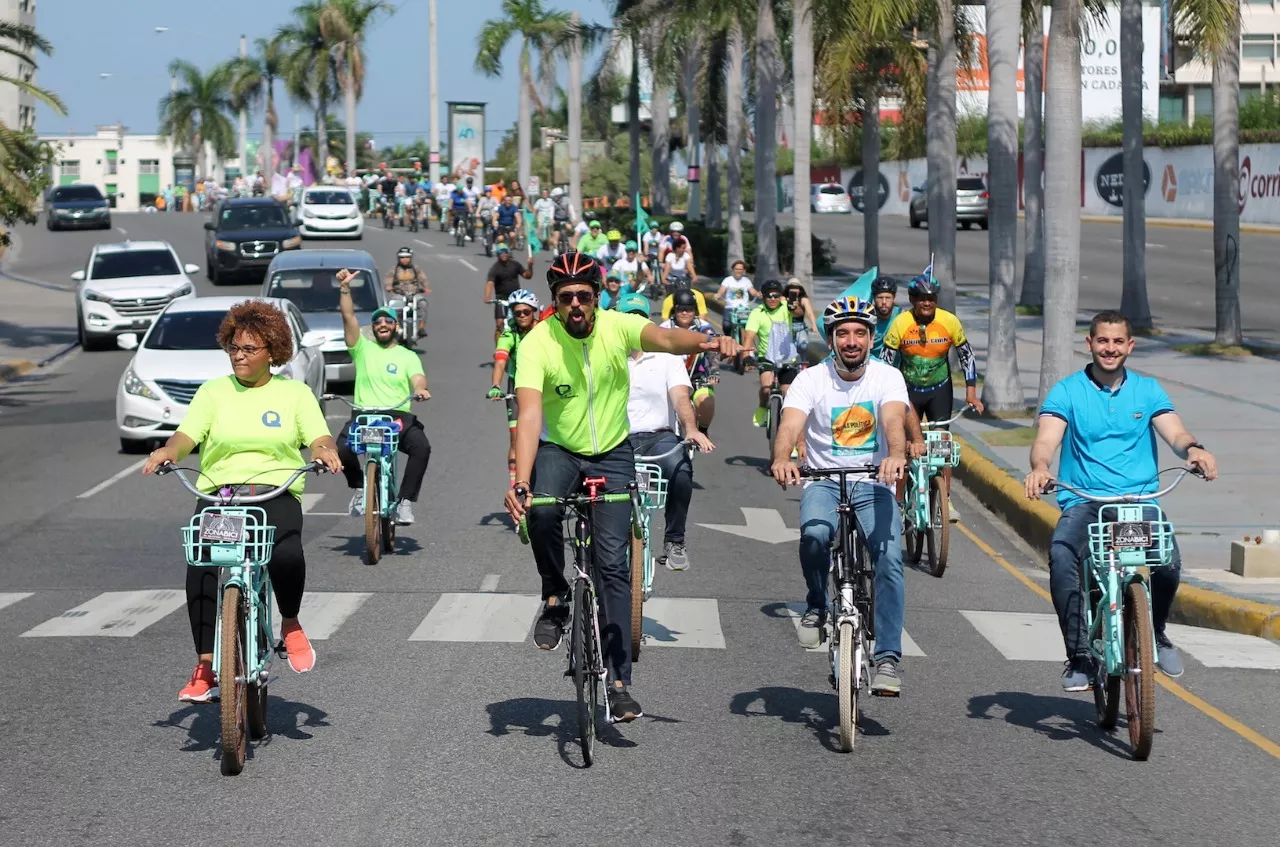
(633,272)
(852,410)
(659,399)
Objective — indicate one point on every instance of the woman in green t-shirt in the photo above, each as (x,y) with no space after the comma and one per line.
(250,427)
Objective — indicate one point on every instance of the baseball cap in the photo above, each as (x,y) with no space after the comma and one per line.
(634,304)
(594,225)
(630,245)
(384,312)
(502,248)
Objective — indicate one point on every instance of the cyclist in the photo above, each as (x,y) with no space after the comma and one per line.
(562,215)
(851,410)
(502,281)
(410,282)
(633,272)
(509,220)
(485,208)
(613,290)
(472,191)
(441,193)
(523,305)
(677,267)
(675,234)
(1105,418)
(461,206)
(651,243)
(737,288)
(544,210)
(803,324)
(583,225)
(679,285)
(704,368)
(387,186)
(594,241)
(661,397)
(572,387)
(386,372)
(770,346)
(884,291)
(613,251)
(249,426)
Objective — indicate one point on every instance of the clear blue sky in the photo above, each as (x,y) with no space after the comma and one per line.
(91,37)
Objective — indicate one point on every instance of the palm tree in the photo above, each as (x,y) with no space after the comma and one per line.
(1032,295)
(196,112)
(1133,297)
(1213,28)
(768,72)
(802,77)
(660,116)
(536,27)
(344,25)
(941,149)
(575,117)
(693,50)
(22,156)
(735,122)
(309,72)
(253,82)
(1062,193)
(1002,390)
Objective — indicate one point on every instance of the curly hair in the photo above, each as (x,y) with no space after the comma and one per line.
(262,320)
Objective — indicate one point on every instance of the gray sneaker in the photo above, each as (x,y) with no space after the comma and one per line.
(1168,659)
(677,558)
(1076,676)
(887,682)
(404,513)
(356,507)
(810,631)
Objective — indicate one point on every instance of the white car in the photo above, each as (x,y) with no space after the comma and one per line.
(180,352)
(329,211)
(829,197)
(124,286)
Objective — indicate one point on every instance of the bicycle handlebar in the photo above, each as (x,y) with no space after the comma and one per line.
(823,473)
(1127,498)
(356,408)
(238,500)
(682,445)
(957,416)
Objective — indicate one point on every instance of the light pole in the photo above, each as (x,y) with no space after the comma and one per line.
(433,96)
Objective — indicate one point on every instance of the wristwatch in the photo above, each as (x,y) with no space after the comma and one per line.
(1197,445)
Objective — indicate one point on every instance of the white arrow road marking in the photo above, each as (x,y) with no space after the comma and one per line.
(761,525)
(8,599)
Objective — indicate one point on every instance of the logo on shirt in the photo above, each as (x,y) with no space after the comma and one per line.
(853,429)
(564,391)
(270,418)
(392,368)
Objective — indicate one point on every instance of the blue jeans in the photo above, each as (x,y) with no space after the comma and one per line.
(1067,552)
(678,471)
(881,526)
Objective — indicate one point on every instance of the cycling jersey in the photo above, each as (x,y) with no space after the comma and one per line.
(458,199)
(508,344)
(921,349)
(507,215)
(591,245)
(704,365)
(610,254)
(773,333)
(584,382)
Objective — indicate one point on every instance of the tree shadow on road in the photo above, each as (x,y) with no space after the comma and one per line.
(1056,718)
(816,711)
(759,463)
(19,337)
(533,716)
(203,724)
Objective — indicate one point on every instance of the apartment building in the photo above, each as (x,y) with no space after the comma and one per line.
(17,108)
(1186,92)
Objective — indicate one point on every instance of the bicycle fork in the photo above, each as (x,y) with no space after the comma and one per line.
(256,630)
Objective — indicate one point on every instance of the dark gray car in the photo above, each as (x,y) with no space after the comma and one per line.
(77,206)
(971,203)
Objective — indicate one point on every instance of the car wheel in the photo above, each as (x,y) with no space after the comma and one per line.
(133,446)
(212,272)
(968,225)
(983,224)
(107,225)
(911,217)
(49,224)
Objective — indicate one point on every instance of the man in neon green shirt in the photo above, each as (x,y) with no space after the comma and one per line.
(572,386)
(593,240)
(768,336)
(387,374)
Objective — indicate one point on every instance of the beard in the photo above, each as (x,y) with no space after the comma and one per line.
(858,357)
(576,328)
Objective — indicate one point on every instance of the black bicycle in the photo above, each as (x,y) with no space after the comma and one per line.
(853,601)
(586,659)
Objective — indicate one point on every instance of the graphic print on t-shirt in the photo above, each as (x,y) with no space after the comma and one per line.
(853,429)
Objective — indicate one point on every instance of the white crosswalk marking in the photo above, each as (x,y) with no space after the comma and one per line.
(479,617)
(321,613)
(909,645)
(9,598)
(118,614)
(1020,636)
(1217,649)
(310,501)
(682,622)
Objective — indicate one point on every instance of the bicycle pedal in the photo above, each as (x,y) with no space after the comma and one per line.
(280,651)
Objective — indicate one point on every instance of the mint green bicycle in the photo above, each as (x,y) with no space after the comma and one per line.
(1130,534)
(926,505)
(651,486)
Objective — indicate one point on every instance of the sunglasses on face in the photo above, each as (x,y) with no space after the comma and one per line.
(772,296)
(566,298)
(684,310)
(522,313)
(389,321)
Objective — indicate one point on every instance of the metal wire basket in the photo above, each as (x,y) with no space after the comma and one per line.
(228,536)
(376,435)
(652,485)
(1136,533)
(942,450)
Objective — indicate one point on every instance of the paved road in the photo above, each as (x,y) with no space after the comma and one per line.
(431,716)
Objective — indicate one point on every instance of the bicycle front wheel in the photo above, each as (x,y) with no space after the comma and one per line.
(775,416)
(846,686)
(1140,672)
(637,595)
(585,681)
(938,536)
(372,514)
(231,670)
(256,706)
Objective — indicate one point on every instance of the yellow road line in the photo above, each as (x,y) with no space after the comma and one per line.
(1252,736)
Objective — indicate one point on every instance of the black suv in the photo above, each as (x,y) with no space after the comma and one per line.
(75,206)
(244,236)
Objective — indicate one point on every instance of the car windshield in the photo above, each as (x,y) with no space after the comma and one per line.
(125,263)
(972,183)
(328,198)
(76,192)
(185,331)
(832,189)
(317,290)
(252,217)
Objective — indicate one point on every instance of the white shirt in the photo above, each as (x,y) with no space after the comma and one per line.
(653,375)
(581,228)
(608,255)
(629,268)
(737,290)
(843,428)
(545,207)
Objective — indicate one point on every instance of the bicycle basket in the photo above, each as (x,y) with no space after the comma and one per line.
(1136,533)
(943,451)
(228,536)
(652,485)
(376,435)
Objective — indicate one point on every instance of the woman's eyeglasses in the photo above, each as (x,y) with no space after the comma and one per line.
(566,298)
(234,350)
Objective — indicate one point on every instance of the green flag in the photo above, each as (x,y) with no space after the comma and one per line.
(531,233)
(642,221)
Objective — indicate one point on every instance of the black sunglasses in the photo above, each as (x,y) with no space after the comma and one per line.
(522,313)
(566,298)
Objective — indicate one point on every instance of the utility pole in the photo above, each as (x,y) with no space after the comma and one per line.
(244,121)
(433,95)
(575,120)
(296,138)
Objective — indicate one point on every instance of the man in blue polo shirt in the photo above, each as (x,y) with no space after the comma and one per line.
(1106,418)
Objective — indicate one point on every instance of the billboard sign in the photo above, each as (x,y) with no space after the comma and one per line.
(466,140)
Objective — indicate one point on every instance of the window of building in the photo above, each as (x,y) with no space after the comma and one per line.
(112,163)
(1258,48)
(1204,100)
(148,167)
(71,167)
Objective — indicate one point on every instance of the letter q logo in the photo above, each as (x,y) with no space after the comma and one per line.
(1242,190)
(1169,184)
(270,418)
(393,368)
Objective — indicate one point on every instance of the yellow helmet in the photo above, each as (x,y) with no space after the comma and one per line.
(614,235)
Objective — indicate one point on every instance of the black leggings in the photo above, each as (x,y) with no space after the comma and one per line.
(288,570)
(933,404)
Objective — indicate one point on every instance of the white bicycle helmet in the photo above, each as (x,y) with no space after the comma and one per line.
(557,192)
(676,226)
(523,296)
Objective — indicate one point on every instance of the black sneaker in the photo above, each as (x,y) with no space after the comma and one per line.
(622,706)
(549,630)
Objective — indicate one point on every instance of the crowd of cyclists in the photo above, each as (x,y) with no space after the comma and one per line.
(591,379)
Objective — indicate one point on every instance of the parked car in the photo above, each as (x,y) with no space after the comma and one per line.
(306,278)
(829,197)
(245,235)
(331,212)
(124,286)
(971,203)
(77,206)
(179,353)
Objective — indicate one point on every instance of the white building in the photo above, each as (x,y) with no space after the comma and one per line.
(17,108)
(1187,92)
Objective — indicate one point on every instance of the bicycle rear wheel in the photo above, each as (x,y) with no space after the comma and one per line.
(637,595)
(1140,672)
(1106,697)
(372,514)
(585,681)
(846,686)
(938,536)
(231,670)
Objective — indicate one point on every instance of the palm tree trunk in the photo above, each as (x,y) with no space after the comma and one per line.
(349,100)
(802,77)
(633,115)
(871,174)
(1062,193)
(1033,159)
(1226,184)
(575,123)
(941,151)
(715,208)
(693,125)
(768,71)
(1133,296)
(734,121)
(322,139)
(1002,390)
(524,126)
(660,133)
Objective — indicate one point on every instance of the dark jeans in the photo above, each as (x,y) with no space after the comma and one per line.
(678,471)
(1066,556)
(559,473)
(288,570)
(413,443)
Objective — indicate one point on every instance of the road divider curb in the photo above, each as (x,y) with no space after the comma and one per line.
(1177,223)
(13,369)
(1034,521)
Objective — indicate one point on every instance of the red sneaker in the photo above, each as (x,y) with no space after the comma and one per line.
(202,687)
(302,657)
